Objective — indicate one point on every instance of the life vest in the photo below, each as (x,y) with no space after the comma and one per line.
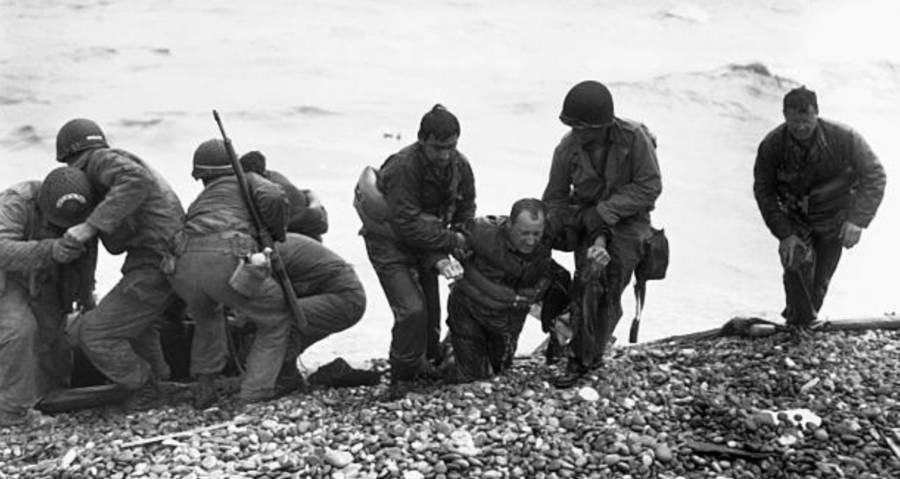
(370,204)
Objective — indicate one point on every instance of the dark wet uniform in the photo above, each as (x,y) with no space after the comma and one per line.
(484,314)
(839,162)
(218,233)
(423,201)
(610,191)
(305,219)
(328,290)
(35,295)
(139,212)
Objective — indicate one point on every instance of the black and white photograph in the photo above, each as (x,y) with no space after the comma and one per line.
(449,239)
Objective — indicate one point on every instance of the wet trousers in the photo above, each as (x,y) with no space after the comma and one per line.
(121,335)
(597,301)
(328,313)
(201,279)
(35,357)
(805,288)
(484,342)
(412,291)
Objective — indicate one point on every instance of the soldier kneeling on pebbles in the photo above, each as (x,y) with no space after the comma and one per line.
(42,275)
(508,267)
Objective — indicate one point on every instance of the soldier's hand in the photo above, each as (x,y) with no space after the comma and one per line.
(450,268)
(81,232)
(461,249)
(850,234)
(598,255)
(66,250)
(787,249)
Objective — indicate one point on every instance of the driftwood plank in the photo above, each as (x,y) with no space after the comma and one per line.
(189,432)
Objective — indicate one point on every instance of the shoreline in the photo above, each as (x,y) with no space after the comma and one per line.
(683,408)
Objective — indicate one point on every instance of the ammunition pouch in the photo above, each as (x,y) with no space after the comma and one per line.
(655,258)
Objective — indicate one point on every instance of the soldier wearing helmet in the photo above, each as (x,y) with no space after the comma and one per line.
(137,212)
(604,180)
(43,276)
(218,236)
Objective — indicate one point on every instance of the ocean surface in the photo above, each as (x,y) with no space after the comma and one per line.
(324,88)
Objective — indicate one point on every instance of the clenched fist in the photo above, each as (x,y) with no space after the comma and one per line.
(67,249)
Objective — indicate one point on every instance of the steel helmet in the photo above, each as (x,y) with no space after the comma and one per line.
(78,135)
(587,105)
(66,198)
(211,160)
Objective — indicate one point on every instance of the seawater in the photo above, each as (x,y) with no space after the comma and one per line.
(324,88)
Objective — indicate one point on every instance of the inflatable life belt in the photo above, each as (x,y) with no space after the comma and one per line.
(370,204)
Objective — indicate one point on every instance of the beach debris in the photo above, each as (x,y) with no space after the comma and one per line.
(804,418)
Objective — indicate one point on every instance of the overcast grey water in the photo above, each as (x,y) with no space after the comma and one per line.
(324,88)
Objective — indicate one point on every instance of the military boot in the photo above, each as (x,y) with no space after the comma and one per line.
(205,392)
(147,396)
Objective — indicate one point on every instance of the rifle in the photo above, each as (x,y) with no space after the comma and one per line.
(264,237)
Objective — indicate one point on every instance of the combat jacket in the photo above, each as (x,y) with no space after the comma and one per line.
(620,181)
(495,272)
(785,174)
(314,269)
(26,250)
(220,208)
(424,199)
(138,212)
(304,220)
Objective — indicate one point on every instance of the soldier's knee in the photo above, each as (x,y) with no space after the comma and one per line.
(356,306)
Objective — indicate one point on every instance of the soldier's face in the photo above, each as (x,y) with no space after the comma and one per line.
(526,232)
(439,150)
(590,135)
(801,123)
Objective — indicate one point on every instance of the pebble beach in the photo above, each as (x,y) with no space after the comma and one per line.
(827,405)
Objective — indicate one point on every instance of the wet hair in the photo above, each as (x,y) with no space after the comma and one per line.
(439,123)
(800,99)
(254,162)
(533,206)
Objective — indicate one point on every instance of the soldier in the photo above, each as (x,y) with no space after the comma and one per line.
(329,294)
(603,182)
(308,215)
(137,212)
(817,184)
(218,237)
(42,274)
(508,268)
(428,187)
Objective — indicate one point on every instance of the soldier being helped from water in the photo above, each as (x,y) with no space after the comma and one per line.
(818,185)
(508,268)
(43,273)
